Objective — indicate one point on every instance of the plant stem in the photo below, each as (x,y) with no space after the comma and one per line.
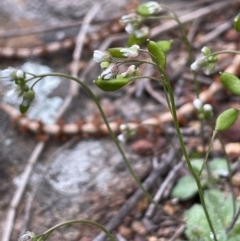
(91,94)
(84,221)
(180,138)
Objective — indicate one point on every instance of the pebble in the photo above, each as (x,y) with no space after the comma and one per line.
(236,179)
(139,228)
(125,232)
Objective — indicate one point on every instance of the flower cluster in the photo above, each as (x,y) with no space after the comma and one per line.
(134,21)
(21,89)
(110,64)
(205,111)
(206,62)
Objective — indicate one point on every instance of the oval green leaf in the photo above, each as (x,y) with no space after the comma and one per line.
(226,119)
(230,82)
(113,84)
(157,52)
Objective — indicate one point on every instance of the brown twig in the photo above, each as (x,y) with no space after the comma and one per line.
(73,88)
(131,202)
(158,195)
(19,192)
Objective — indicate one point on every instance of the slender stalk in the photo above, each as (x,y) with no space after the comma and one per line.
(46,234)
(180,138)
(208,151)
(91,94)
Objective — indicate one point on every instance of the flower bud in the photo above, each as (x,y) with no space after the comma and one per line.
(110,72)
(131,52)
(205,51)
(197,103)
(101,56)
(20,73)
(130,18)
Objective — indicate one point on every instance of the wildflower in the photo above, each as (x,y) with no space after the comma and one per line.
(8,74)
(131,52)
(142,32)
(130,18)
(130,28)
(200,62)
(131,71)
(110,72)
(205,51)
(207,108)
(28,236)
(197,103)
(19,73)
(153,7)
(101,56)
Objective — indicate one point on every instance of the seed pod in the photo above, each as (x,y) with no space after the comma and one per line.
(165,45)
(113,84)
(116,53)
(237,23)
(230,82)
(226,119)
(157,52)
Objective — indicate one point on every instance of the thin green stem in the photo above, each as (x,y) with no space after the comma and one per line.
(208,151)
(46,234)
(91,94)
(180,138)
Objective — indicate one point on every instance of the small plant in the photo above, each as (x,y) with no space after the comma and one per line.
(216,217)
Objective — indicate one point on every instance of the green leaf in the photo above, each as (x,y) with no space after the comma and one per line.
(219,166)
(220,211)
(165,45)
(134,40)
(158,55)
(237,23)
(197,165)
(230,82)
(226,119)
(113,84)
(185,189)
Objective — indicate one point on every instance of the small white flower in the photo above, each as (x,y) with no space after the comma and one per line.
(194,66)
(28,236)
(197,103)
(8,74)
(131,52)
(199,63)
(205,51)
(131,71)
(101,56)
(129,28)
(130,18)
(153,7)
(109,72)
(19,73)
(142,32)
(207,108)
(121,138)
